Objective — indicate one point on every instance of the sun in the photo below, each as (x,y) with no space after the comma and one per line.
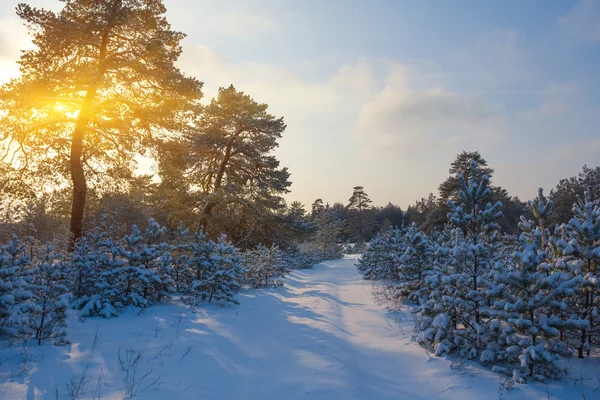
(60,108)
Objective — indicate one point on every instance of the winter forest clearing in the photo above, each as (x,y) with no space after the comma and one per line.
(151,245)
(321,336)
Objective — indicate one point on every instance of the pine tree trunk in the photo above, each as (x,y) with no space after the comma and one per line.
(208,207)
(41,326)
(591,302)
(76,161)
(583,330)
(79,187)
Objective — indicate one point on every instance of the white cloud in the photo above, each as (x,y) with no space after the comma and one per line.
(416,122)
(284,90)
(359,76)
(583,20)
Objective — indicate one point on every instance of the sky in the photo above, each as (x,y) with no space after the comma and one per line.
(385,93)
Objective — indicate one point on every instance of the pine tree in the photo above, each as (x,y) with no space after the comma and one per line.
(14,286)
(87,276)
(415,264)
(265,266)
(222,276)
(327,237)
(46,313)
(529,303)
(180,251)
(93,92)
(381,259)
(584,229)
(359,220)
(133,278)
(110,284)
(229,162)
(199,261)
(453,318)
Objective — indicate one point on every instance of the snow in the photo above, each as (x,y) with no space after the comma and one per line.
(323,335)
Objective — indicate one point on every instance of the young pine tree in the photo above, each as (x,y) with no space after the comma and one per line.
(14,286)
(584,229)
(454,318)
(46,314)
(222,276)
(265,266)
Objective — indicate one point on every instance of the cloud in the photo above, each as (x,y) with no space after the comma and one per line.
(415,122)
(583,20)
(286,91)
(359,77)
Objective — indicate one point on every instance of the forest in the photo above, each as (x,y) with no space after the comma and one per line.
(123,187)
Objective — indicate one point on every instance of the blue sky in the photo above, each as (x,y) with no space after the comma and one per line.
(385,93)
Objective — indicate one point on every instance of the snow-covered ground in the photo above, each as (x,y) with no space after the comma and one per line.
(321,336)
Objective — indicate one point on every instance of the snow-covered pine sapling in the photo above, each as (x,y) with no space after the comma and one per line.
(199,260)
(84,264)
(14,286)
(223,275)
(380,260)
(584,228)
(131,275)
(46,312)
(108,285)
(151,251)
(529,302)
(180,254)
(265,266)
(142,281)
(415,264)
(457,310)
(476,218)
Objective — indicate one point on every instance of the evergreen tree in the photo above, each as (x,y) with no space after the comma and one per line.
(453,318)
(229,164)
(415,265)
(14,286)
(328,233)
(91,94)
(265,266)
(316,208)
(463,165)
(180,251)
(569,189)
(132,277)
(529,303)
(359,220)
(199,261)
(89,262)
(222,276)
(381,259)
(584,229)
(46,313)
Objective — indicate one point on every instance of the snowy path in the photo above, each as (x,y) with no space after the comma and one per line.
(322,336)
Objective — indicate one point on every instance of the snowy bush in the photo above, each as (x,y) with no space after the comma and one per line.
(265,266)
(45,313)
(15,292)
(221,275)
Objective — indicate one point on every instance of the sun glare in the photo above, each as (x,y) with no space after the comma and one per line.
(61,108)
